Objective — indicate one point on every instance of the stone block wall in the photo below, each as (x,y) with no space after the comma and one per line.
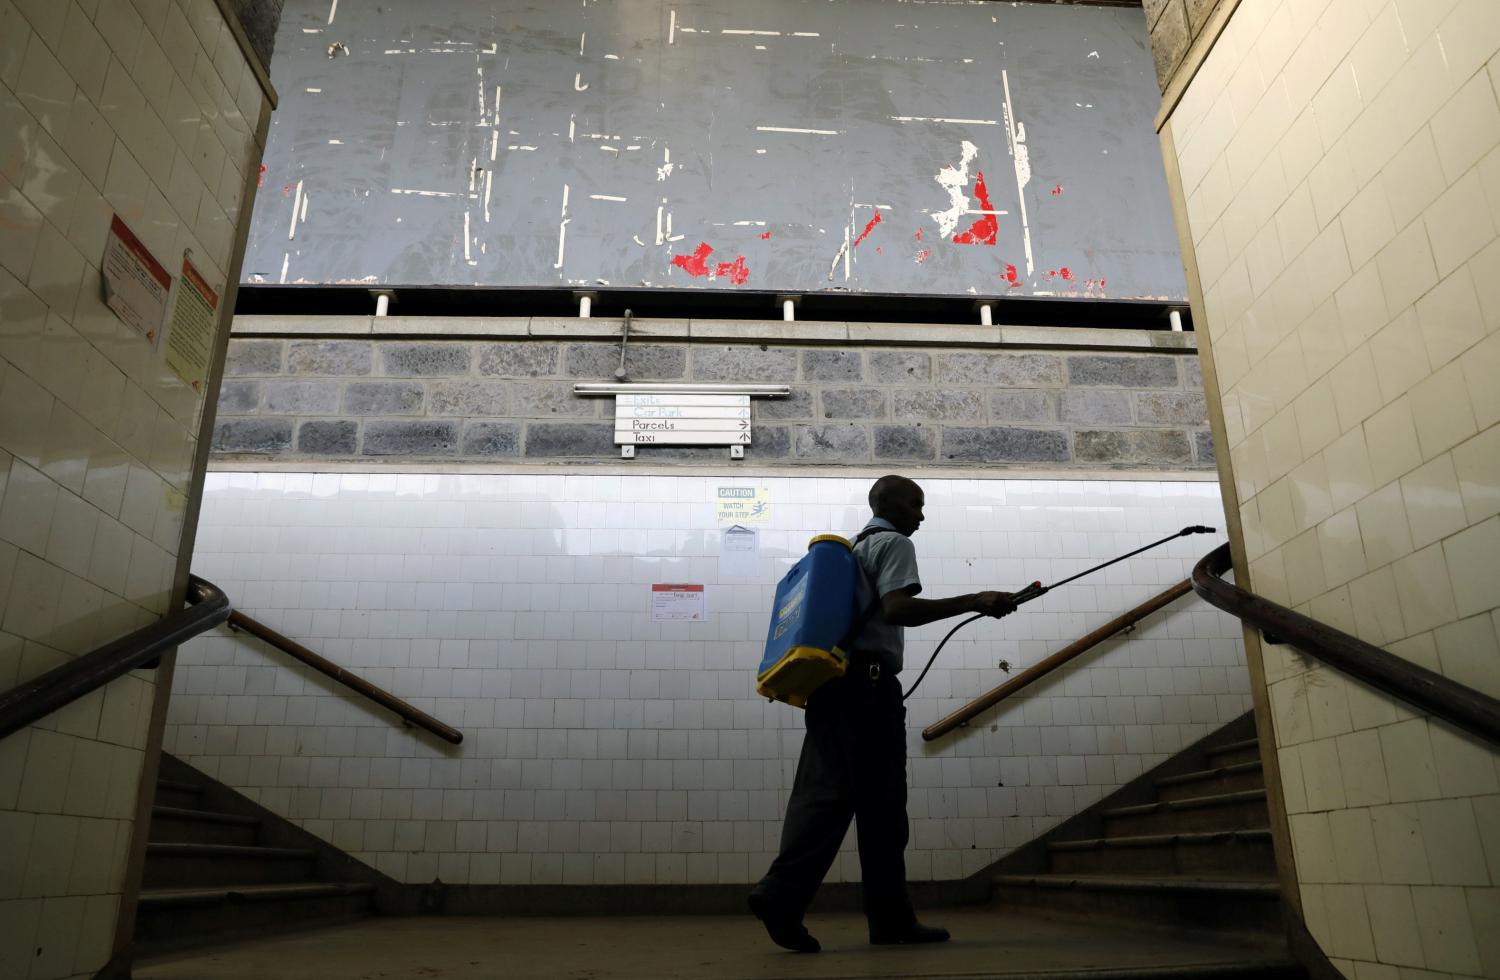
(476,400)
(1174,26)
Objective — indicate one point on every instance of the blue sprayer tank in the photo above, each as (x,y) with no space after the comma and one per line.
(814,609)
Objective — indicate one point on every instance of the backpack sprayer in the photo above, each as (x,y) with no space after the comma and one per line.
(804,652)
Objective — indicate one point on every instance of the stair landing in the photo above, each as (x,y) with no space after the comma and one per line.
(988,942)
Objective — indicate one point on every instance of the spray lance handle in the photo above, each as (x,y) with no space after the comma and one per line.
(1033,591)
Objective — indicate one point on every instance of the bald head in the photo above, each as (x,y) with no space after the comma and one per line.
(898,500)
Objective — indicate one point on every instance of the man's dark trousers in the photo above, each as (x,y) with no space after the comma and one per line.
(853,766)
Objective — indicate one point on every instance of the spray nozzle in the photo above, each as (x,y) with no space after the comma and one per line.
(1197,529)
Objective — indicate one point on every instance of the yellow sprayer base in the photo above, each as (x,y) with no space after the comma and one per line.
(800,672)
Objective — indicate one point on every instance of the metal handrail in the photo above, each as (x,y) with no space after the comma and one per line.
(208,607)
(35,699)
(1460,706)
(983,703)
(408,714)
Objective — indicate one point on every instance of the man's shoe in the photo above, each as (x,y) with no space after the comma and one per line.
(785,931)
(912,934)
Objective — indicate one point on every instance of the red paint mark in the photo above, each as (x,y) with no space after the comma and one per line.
(261,180)
(1066,273)
(919,234)
(765,234)
(737,271)
(697,265)
(1057,191)
(869,227)
(922,256)
(879,250)
(1012,276)
(981,232)
(286,189)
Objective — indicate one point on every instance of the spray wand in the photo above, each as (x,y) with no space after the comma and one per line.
(1036,590)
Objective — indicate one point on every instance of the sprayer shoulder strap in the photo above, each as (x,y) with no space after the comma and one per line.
(864,614)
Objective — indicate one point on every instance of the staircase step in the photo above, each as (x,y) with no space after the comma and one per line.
(177,865)
(1235,753)
(175,918)
(1240,854)
(1211,782)
(179,825)
(1219,905)
(1224,811)
(170,792)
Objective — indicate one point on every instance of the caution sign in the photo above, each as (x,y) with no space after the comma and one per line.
(742,505)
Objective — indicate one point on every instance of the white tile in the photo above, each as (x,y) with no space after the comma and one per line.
(1470,557)
(23,224)
(1383,525)
(70,545)
(1447,936)
(1426,597)
(1407,267)
(1441,411)
(1379,53)
(1450,318)
(1400,356)
(1376,607)
(1477,465)
(1410,769)
(25,411)
(1483,396)
(1367,223)
(1469,36)
(1391,436)
(1414,178)
(1356,388)
(1467,127)
(1459,224)
(1433,501)
(83,52)
(1393,921)
(44,86)
(15,32)
(27,510)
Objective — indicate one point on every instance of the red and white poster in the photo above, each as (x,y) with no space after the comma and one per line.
(190,341)
(136,286)
(671,603)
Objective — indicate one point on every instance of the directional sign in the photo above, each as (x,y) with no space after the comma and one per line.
(682,420)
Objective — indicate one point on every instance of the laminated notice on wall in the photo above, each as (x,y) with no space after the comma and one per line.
(135,284)
(191,337)
(678,604)
(739,552)
(742,505)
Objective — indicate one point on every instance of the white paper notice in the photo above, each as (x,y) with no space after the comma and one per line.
(678,604)
(739,552)
(135,284)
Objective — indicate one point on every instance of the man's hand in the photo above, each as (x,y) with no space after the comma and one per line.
(996,604)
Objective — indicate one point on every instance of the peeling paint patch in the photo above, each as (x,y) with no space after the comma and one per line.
(696,265)
(789,129)
(922,255)
(982,231)
(954,180)
(869,227)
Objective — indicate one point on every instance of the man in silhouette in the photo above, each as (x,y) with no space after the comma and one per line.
(853,762)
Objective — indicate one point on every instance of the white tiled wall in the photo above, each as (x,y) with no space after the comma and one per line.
(601,747)
(1341,162)
(146,109)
